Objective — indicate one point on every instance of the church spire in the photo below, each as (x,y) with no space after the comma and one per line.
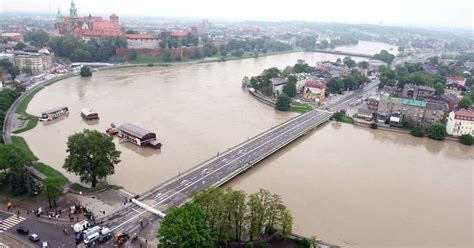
(73,11)
(59,17)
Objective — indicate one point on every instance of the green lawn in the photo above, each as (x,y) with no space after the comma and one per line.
(347,119)
(50,172)
(24,104)
(299,107)
(32,122)
(22,145)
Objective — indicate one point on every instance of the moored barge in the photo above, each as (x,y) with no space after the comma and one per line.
(137,135)
(89,114)
(53,114)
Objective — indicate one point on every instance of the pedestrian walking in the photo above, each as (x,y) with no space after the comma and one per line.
(18,214)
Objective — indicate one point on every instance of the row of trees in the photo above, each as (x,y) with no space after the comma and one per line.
(217,217)
(384,56)
(7,97)
(309,42)
(93,50)
(351,82)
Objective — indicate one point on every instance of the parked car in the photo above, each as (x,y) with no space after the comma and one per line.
(105,237)
(34,237)
(22,230)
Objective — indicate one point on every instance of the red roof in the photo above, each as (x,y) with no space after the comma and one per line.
(460,80)
(314,84)
(179,34)
(464,113)
(139,36)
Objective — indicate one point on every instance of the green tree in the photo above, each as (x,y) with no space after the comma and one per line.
(437,131)
(373,125)
(14,71)
(302,67)
(91,155)
(439,88)
(37,38)
(283,102)
(131,31)
(467,139)
(27,70)
(133,55)
(237,209)
(20,46)
(52,189)
(465,102)
(418,131)
(12,158)
(85,71)
(363,64)
(349,62)
(186,227)
(166,57)
(286,223)
(335,86)
(385,56)
(289,89)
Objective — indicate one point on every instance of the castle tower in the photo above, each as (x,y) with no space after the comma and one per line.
(90,22)
(114,19)
(73,11)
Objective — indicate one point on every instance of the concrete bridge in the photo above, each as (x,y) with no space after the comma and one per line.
(343,53)
(221,168)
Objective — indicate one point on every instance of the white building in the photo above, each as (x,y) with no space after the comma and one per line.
(137,41)
(277,85)
(39,62)
(8,56)
(460,122)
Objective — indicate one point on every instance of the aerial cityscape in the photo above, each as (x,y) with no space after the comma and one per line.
(236,124)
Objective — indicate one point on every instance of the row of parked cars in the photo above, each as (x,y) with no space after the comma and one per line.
(89,234)
(33,237)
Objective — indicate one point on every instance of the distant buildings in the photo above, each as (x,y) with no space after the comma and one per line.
(277,85)
(12,36)
(87,26)
(314,91)
(460,122)
(135,41)
(417,92)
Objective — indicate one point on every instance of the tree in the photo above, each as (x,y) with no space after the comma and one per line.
(467,139)
(20,46)
(12,158)
(27,70)
(133,55)
(302,67)
(131,31)
(384,56)
(437,131)
(349,62)
(14,71)
(85,71)
(363,64)
(289,89)
(237,206)
(465,103)
(37,38)
(335,86)
(373,125)
(91,155)
(418,131)
(186,227)
(286,223)
(283,102)
(166,56)
(52,189)
(439,88)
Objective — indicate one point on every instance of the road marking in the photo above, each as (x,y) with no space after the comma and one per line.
(10,222)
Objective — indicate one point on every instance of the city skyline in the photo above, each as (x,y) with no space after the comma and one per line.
(456,13)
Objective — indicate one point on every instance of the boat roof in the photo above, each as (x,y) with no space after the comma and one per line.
(88,111)
(56,109)
(134,130)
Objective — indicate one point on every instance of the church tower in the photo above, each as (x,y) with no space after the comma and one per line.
(73,11)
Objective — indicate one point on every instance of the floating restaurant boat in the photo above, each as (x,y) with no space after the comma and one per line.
(137,135)
(54,113)
(89,114)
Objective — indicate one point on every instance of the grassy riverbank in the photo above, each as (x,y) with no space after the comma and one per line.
(300,107)
(21,144)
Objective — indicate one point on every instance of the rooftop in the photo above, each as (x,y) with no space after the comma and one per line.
(139,36)
(133,130)
(465,113)
(437,106)
(314,84)
(278,81)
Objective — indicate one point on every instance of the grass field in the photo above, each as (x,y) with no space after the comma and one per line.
(347,119)
(299,107)
(50,172)
(20,143)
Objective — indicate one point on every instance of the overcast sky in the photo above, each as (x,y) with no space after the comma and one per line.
(434,13)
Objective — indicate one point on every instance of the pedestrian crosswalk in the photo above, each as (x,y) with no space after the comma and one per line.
(10,222)
(2,245)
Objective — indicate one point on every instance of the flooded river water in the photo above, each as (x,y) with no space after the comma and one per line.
(348,185)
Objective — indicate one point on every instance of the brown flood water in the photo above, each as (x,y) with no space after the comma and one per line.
(348,185)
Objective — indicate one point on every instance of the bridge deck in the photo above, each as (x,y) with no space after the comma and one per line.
(219,170)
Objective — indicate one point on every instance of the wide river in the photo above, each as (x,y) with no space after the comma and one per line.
(350,186)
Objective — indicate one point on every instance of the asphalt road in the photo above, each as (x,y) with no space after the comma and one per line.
(51,233)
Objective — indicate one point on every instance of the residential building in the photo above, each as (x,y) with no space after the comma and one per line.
(8,56)
(417,92)
(452,100)
(460,122)
(314,91)
(425,113)
(136,41)
(39,62)
(373,102)
(455,84)
(277,85)
(12,36)
(366,114)
(374,64)
(301,80)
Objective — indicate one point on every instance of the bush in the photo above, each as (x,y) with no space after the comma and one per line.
(437,131)
(467,139)
(150,65)
(283,102)
(417,131)
(86,71)
(373,125)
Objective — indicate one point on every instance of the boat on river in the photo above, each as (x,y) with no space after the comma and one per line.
(53,114)
(89,114)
